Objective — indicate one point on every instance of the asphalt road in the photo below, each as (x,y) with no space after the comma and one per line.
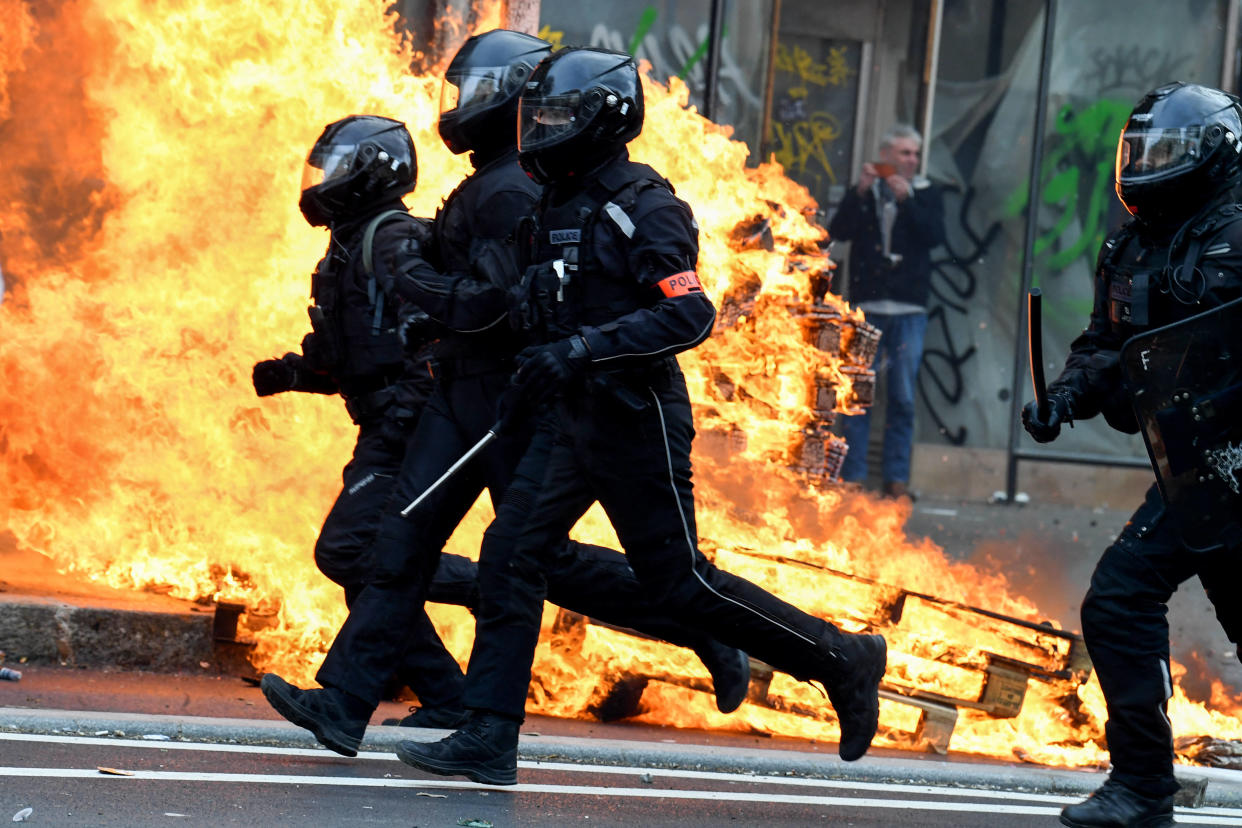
(61,779)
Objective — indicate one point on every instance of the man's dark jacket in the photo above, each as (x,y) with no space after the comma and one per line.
(919,228)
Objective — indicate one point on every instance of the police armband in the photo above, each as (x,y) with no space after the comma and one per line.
(680,284)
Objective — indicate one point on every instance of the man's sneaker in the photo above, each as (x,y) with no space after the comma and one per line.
(485,751)
(1114,805)
(441,718)
(854,670)
(730,669)
(337,719)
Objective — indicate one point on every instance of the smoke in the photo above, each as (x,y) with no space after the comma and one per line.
(1052,574)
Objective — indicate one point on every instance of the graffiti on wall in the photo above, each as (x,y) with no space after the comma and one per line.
(814,97)
(674,51)
(1075,182)
(949,344)
(1077,208)
(1076,175)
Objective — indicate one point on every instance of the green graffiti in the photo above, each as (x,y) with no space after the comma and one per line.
(1076,179)
(700,52)
(645,21)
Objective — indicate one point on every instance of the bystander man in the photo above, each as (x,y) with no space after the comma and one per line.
(894,217)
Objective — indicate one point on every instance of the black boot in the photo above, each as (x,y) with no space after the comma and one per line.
(1114,805)
(443,718)
(485,750)
(730,669)
(337,718)
(853,670)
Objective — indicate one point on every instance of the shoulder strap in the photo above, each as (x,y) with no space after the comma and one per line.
(368,237)
(619,191)
(375,293)
(1117,244)
(1182,276)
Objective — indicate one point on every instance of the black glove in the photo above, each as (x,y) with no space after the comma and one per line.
(272,376)
(543,369)
(1046,430)
(415,329)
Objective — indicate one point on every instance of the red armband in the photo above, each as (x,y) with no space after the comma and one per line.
(680,284)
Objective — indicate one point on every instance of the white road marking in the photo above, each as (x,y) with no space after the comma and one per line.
(563,767)
(564,790)
(1196,816)
(1187,817)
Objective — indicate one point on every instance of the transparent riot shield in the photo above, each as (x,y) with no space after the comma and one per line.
(1185,381)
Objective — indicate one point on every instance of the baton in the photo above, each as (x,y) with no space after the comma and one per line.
(1035,345)
(487,438)
(510,404)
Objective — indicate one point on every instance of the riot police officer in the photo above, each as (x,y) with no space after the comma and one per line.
(353,181)
(1173,267)
(611,296)
(459,279)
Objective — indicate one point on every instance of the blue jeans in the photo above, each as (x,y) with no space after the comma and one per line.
(899,355)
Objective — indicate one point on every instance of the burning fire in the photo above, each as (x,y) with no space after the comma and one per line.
(151,237)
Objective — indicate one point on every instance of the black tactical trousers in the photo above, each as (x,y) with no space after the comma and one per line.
(1125,624)
(637,465)
(586,579)
(342,553)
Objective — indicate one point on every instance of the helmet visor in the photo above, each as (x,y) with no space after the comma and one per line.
(1146,153)
(332,162)
(474,88)
(547,120)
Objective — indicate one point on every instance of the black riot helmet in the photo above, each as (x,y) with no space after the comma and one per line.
(1179,148)
(358,162)
(580,107)
(478,101)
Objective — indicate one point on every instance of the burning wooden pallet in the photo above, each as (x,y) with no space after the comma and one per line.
(988,671)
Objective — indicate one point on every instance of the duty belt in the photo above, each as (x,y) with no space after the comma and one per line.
(458,368)
(365,406)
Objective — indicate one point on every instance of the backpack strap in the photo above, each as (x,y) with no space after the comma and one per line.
(375,292)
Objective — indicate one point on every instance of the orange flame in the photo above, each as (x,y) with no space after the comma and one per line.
(155,252)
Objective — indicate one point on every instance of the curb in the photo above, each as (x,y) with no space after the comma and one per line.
(1201,786)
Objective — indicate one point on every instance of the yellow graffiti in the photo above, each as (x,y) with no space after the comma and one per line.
(553,37)
(839,70)
(799,63)
(802,146)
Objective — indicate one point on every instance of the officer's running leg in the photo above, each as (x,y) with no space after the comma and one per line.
(343,554)
(642,477)
(542,502)
(342,550)
(374,635)
(1220,574)
(599,583)
(1125,625)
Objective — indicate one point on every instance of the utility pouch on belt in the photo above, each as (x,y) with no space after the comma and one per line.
(366,406)
(328,338)
(534,310)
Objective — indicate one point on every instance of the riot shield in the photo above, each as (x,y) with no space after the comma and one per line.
(1185,381)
